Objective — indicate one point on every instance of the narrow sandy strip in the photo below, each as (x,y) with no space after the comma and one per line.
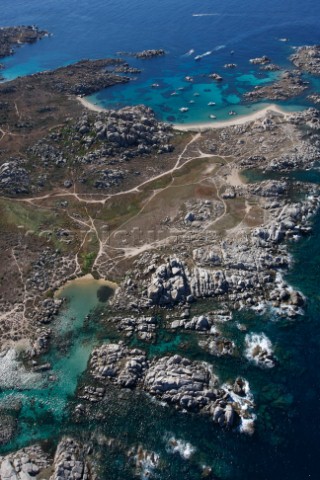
(200,127)
(90,105)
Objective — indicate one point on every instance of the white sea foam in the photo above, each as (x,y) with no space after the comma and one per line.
(185,449)
(244,406)
(259,350)
(247,425)
(260,308)
(244,402)
(146,463)
(13,373)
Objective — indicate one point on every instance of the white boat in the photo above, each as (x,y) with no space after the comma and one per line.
(213,117)
(211,104)
(155,85)
(173,94)
(183,109)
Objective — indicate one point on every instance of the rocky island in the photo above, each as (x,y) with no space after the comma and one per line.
(11,37)
(307,59)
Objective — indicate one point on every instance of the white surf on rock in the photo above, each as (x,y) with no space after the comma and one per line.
(259,350)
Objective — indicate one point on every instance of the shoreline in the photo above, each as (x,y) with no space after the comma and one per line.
(239,120)
(90,106)
(203,126)
(85,280)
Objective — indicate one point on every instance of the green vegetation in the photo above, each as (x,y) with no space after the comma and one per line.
(88,261)
(28,217)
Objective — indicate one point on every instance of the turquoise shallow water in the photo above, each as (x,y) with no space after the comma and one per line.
(45,397)
(175,93)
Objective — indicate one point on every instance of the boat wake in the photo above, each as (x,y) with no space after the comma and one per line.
(205,54)
(190,52)
(219,47)
(206,14)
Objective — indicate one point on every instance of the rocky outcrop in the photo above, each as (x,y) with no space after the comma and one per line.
(218,345)
(14,178)
(214,342)
(203,323)
(146,54)
(25,464)
(244,270)
(180,382)
(70,461)
(101,145)
(290,84)
(84,77)
(11,37)
(215,76)
(269,188)
(270,67)
(311,119)
(126,128)
(8,425)
(143,327)
(169,283)
(259,350)
(260,60)
(315,98)
(119,364)
(185,384)
(307,58)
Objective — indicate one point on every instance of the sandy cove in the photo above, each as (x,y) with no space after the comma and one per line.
(201,127)
(240,120)
(90,106)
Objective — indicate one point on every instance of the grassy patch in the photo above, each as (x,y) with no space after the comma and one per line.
(87,260)
(27,216)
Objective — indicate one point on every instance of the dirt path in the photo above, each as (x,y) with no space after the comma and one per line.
(89,226)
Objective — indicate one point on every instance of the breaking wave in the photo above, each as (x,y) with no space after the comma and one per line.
(259,350)
(174,445)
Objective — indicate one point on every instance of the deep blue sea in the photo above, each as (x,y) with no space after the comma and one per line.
(96,29)
(286,445)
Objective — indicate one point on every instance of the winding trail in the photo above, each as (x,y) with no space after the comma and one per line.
(136,189)
(89,226)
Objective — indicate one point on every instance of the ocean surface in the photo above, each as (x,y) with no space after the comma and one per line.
(285,445)
(227,32)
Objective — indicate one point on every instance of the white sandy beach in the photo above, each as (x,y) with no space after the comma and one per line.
(90,106)
(240,120)
(202,126)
